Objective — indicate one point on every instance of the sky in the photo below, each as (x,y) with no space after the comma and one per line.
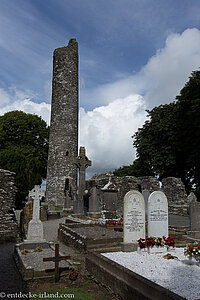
(133,55)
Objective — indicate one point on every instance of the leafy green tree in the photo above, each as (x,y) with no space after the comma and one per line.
(24,149)
(168,144)
(188,127)
(156,141)
(137,169)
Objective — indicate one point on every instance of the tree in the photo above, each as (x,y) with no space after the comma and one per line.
(137,169)
(188,127)
(170,140)
(156,141)
(24,149)
(168,144)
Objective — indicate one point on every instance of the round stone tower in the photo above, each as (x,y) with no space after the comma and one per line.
(63,141)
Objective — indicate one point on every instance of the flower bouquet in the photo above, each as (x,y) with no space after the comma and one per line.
(73,275)
(157,243)
(193,251)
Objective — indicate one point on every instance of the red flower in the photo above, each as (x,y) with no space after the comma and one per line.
(191,248)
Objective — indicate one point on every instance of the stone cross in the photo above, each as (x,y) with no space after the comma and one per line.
(57,258)
(36,192)
(35,226)
(110,174)
(82,163)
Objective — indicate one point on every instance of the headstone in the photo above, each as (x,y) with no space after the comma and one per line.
(94,201)
(195,216)
(43,214)
(157,214)
(110,195)
(51,205)
(35,226)
(134,219)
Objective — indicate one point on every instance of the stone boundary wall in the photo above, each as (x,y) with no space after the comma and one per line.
(8,223)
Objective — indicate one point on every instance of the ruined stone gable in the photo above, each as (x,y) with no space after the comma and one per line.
(8,224)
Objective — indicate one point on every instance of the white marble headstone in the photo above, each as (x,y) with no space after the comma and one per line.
(157,214)
(134,216)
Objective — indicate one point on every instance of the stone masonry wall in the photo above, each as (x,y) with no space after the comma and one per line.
(124,184)
(63,141)
(173,188)
(8,223)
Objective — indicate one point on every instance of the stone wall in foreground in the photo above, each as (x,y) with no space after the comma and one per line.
(8,223)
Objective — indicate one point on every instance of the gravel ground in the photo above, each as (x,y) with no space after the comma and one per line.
(176,275)
(51,235)
(35,260)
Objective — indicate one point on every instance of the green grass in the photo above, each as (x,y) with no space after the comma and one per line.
(50,294)
(59,208)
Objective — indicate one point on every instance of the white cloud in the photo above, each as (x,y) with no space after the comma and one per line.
(106,132)
(28,106)
(167,72)
(161,79)
(4,98)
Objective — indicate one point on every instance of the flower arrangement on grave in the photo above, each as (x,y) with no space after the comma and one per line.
(73,275)
(156,241)
(169,242)
(24,251)
(38,249)
(193,250)
(118,221)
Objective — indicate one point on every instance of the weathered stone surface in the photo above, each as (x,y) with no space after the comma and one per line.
(8,223)
(174,190)
(194,216)
(26,216)
(123,184)
(63,141)
(149,183)
(191,198)
(110,196)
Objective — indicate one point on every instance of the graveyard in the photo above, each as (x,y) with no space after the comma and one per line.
(112,237)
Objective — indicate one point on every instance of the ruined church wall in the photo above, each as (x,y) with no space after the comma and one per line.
(173,188)
(8,223)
